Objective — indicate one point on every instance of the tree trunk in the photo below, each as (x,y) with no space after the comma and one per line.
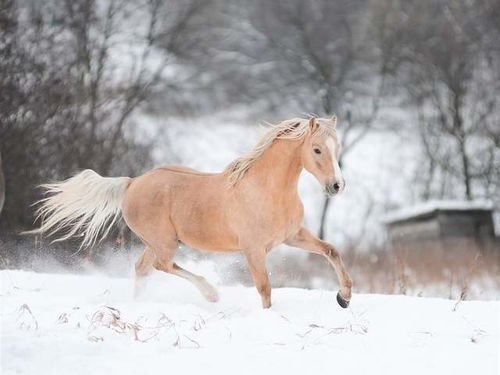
(324,212)
(466,170)
(460,134)
(2,185)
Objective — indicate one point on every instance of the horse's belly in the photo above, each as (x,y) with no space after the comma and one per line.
(206,228)
(208,238)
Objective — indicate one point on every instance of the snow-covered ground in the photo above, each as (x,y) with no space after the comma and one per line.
(90,324)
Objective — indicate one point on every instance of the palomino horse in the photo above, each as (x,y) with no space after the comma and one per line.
(252,206)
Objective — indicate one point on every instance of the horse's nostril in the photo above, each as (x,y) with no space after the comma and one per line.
(336,186)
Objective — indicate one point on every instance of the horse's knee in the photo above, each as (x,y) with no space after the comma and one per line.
(331,252)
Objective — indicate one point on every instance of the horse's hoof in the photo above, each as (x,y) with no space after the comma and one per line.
(212,296)
(344,303)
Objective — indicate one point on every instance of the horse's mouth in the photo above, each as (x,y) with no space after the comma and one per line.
(334,188)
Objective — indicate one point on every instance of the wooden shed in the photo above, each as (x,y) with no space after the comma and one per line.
(438,221)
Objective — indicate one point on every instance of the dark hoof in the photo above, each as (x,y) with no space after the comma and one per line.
(342,302)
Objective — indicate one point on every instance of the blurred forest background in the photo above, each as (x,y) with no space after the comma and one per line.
(120,86)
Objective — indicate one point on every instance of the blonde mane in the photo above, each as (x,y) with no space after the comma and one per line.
(294,128)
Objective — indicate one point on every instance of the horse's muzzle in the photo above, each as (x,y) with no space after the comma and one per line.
(334,187)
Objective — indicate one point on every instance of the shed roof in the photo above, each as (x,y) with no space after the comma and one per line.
(430,207)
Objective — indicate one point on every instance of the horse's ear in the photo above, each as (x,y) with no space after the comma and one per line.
(334,121)
(313,124)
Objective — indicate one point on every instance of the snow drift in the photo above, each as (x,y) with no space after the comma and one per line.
(69,324)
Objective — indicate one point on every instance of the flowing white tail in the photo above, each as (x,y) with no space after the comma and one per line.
(87,204)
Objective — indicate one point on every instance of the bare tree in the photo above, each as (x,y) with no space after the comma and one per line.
(2,185)
(72,75)
(96,36)
(449,67)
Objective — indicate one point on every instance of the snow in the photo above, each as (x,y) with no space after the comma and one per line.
(81,324)
(436,205)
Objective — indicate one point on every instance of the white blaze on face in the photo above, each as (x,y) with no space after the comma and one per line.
(337,173)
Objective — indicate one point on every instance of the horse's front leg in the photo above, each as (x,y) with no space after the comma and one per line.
(307,241)
(256,259)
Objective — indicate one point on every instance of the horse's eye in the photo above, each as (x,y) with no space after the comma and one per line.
(317,150)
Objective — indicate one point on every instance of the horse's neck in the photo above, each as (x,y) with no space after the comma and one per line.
(279,168)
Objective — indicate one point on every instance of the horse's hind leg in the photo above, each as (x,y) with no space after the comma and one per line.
(161,241)
(148,260)
(143,268)
(208,291)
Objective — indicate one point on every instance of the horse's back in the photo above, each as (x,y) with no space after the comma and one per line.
(182,169)
(162,187)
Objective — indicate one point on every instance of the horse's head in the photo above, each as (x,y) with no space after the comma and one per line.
(321,154)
